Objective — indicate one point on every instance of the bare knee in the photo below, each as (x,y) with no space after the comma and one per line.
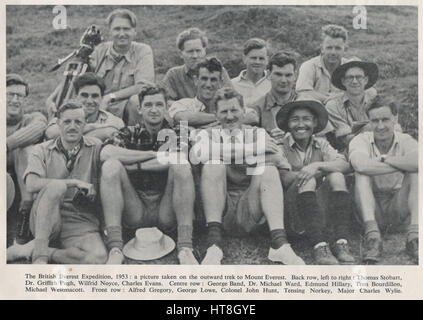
(213,172)
(111,170)
(55,190)
(337,181)
(181,172)
(98,256)
(310,185)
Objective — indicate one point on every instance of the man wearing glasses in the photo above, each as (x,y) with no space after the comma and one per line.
(101,124)
(23,131)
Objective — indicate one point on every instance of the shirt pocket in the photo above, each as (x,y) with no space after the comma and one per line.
(128,76)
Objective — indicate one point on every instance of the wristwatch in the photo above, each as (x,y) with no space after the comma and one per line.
(383,158)
(112,97)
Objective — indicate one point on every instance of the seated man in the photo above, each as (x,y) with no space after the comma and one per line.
(100,124)
(235,200)
(386,180)
(57,170)
(151,193)
(179,81)
(253,82)
(23,130)
(311,159)
(124,64)
(200,110)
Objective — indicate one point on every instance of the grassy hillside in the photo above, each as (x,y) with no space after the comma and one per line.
(390,40)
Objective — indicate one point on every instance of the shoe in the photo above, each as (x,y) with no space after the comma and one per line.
(214,256)
(323,255)
(286,255)
(371,249)
(24,234)
(412,248)
(342,252)
(186,256)
(115,256)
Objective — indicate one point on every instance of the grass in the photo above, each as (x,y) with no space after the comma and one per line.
(33,46)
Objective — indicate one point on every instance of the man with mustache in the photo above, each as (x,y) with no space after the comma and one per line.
(239,199)
(57,171)
(123,64)
(89,89)
(386,180)
(144,192)
(253,82)
(23,130)
(312,158)
(179,81)
(314,76)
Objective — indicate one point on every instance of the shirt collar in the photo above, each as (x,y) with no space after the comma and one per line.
(243,75)
(271,100)
(102,115)
(87,143)
(112,53)
(365,101)
(372,139)
(292,144)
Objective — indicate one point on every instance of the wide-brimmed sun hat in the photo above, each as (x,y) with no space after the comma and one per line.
(148,244)
(314,106)
(370,70)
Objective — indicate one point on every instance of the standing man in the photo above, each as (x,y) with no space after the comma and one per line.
(311,159)
(23,131)
(57,171)
(386,180)
(179,81)
(89,89)
(233,200)
(139,190)
(252,82)
(314,77)
(282,69)
(123,64)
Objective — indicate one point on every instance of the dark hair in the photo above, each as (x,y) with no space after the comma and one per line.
(122,13)
(228,93)
(211,64)
(379,102)
(151,90)
(334,31)
(70,105)
(252,44)
(282,58)
(191,34)
(89,79)
(15,79)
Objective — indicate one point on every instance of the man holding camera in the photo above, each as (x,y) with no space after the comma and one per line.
(63,173)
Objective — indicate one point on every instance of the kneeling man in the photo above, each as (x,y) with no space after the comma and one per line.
(317,173)
(234,199)
(386,180)
(143,191)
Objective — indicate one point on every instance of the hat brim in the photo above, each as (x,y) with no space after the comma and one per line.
(370,70)
(147,254)
(314,106)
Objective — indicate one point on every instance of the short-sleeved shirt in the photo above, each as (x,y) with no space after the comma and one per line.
(179,82)
(251,91)
(364,144)
(342,114)
(267,107)
(119,72)
(47,161)
(313,76)
(319,149)
(138,138)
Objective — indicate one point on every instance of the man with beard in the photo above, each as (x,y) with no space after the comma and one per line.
(123,64)
(101,124)
(179,81)
(386,180)
(314,77)
(306,192)
(236,199)
(23,130)
(253,82)
(140,190)
(282,68)
(57,171)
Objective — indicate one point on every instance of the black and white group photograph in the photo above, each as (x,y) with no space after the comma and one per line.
(212,135)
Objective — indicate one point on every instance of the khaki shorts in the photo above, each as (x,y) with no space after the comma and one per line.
(151,207)
(237,218)
(71,227)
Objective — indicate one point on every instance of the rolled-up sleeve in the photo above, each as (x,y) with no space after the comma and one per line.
(36,163)
(181,106)
(306,75)
(144,70)
(358,145)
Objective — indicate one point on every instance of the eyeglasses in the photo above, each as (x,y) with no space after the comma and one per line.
(359,78)
(11,95)
(87,95)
